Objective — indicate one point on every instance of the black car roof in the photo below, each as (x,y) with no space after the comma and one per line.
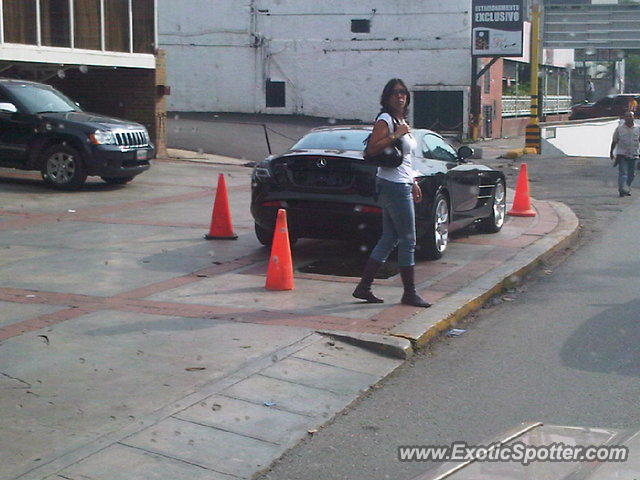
(4,81)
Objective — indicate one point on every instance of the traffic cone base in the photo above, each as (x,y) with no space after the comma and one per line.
(280,270)
(221,228)
(521,201)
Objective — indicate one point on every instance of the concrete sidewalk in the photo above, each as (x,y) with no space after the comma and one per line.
(132,348)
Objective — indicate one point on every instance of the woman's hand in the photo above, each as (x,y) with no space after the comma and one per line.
(416,192)
(401,130)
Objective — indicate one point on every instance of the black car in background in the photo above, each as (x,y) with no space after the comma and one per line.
(328,190)
(41,129)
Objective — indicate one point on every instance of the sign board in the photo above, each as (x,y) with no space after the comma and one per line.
(496,28)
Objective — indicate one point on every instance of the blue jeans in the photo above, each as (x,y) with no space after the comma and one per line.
(626,172)
(398,222)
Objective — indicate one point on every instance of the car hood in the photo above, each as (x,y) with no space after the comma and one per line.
(92,121)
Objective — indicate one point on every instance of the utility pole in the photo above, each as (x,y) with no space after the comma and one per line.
(532,142)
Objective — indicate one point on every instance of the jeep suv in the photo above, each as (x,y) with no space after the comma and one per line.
(41,129)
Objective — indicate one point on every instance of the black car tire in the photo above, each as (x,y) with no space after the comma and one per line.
(116,180)
(63,168)
(265,236)
(493,223)
(434,243)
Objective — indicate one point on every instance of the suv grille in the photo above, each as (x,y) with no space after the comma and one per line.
(131,138)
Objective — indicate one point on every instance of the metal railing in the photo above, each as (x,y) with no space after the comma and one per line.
(513,106)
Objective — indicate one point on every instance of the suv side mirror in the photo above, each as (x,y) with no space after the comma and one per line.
(8,107)
(465,152)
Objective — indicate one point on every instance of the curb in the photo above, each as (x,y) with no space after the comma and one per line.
(176,154)
(421,329)
(513,154)
(389,346)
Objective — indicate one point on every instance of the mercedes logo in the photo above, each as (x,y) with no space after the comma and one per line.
(321,163)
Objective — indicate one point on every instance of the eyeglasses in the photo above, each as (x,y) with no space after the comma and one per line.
(400,91)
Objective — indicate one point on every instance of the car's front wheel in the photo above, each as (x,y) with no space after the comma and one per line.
(434,243)
(63,167)
(493,223)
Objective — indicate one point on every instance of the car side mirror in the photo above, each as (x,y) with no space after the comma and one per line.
(8,107)
(464,152)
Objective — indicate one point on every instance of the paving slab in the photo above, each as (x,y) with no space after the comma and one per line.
(249,419)
(288,396)
(121,462)
(317,375)
(16,312)
(207,447)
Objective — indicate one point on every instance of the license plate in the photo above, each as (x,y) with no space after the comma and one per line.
(141,155)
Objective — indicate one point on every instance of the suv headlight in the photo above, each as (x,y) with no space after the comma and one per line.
(262,169)
(102,137)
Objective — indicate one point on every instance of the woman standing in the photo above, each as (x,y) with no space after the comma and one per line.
(397,190)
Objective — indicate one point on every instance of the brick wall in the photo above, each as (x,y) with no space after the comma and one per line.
(128,93)
(515,126)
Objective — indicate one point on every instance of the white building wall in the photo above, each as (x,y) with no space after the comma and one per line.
(220,54)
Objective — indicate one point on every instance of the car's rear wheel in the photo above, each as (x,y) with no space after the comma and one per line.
(265,236)
(434,243)
(116,180)
(63,168)
(493,223)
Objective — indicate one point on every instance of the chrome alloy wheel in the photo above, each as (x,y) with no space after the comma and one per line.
(441,225)
(61,168)
(499,204)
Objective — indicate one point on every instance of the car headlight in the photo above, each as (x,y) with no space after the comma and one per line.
(262,170)
(102,137)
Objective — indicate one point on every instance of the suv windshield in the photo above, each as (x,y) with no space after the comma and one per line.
(333,140)
(38,99)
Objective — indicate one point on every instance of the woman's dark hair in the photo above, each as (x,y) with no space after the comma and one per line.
(386,94)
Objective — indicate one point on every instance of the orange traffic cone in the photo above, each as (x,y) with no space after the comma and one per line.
(521,202)
(280,271)
(221,228)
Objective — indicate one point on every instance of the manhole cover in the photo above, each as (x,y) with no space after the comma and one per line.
(351,267)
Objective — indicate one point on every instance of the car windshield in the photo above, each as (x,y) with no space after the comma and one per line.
(37,99)
(333,140)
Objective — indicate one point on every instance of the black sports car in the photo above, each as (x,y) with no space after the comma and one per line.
(328,190)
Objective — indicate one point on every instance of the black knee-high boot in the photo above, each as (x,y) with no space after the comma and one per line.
(410,296)
(363,290)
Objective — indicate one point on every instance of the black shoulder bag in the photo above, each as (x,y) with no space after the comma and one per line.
(390,157)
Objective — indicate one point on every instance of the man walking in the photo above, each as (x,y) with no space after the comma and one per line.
(626,147)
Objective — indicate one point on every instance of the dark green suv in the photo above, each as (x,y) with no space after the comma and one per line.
(41,129)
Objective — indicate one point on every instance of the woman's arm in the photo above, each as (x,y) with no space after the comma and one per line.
(382,138)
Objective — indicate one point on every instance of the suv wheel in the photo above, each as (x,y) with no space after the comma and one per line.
(117,180)
(62,167)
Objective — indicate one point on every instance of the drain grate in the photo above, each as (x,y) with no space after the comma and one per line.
(349,267)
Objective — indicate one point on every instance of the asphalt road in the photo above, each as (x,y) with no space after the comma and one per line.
(562,348)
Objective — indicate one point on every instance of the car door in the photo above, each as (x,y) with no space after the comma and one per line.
(602,108)
(17,129)
(463,180)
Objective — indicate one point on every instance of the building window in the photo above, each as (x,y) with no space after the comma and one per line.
(116,18)
(19,21)
(275,94)
(86,15)
(143,24)
(360,26)
(54,23)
